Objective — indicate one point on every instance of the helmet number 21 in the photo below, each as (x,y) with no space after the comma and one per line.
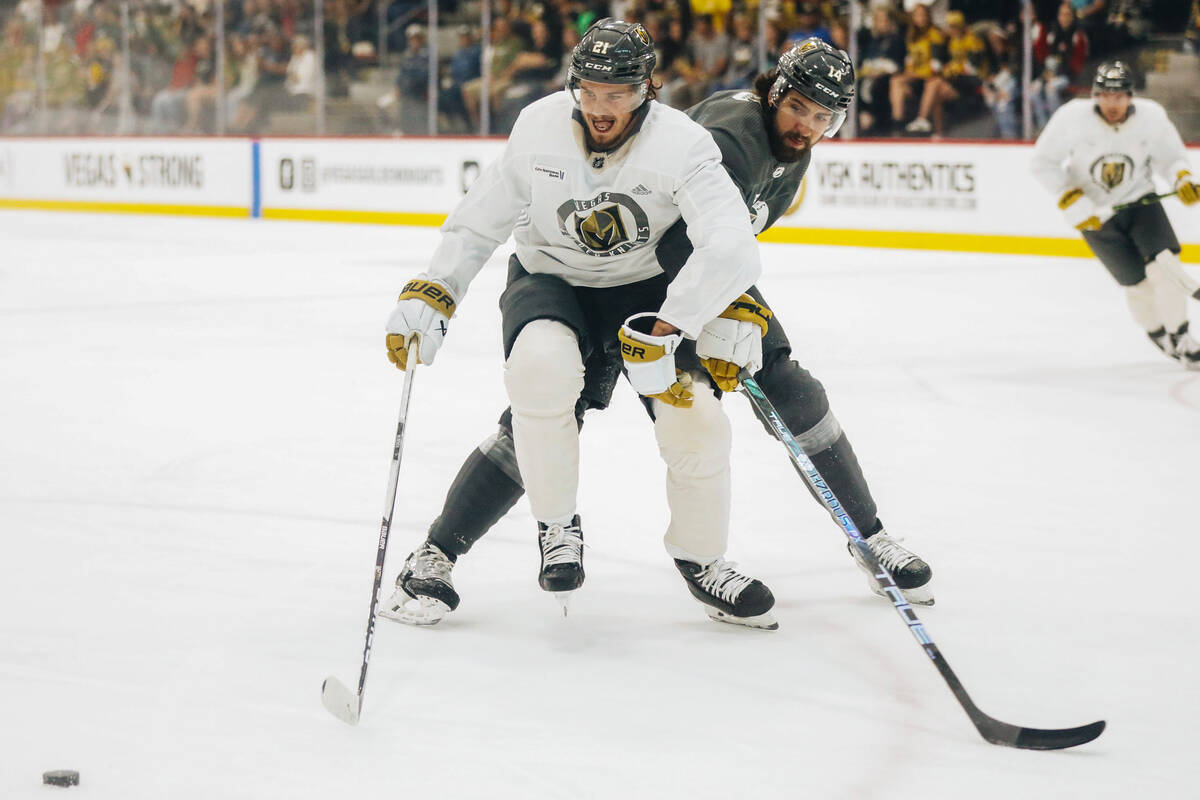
(600,47)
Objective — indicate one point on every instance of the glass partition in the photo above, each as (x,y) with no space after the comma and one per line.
(949,68)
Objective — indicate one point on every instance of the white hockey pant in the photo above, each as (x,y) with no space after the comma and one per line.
(695,443)
(1160,301)
(544,377)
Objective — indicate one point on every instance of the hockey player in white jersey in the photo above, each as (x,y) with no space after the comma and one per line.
(589,181)
(1102,152)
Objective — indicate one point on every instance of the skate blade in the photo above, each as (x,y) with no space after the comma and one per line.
(917,596)
(564,599)
(421,611)
(764,622)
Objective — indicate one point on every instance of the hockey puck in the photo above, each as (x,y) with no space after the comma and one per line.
(61,777)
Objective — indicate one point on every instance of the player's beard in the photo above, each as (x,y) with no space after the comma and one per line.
(788,149)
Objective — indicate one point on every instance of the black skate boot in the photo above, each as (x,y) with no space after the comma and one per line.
(909,571)
(424,590)
(728,595)
(1185,348)
(1163,342)
(562,558)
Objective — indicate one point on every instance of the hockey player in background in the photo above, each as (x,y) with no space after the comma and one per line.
(1105,151)
(589,181)
(765,137)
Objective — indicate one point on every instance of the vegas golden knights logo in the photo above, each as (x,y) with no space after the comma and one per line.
(602,229)
(1111,170)
(1112,173)
(609,224)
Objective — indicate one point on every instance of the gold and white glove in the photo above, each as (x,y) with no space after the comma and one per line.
(650,362)
(733,341)
(422,315)
(1189,190)
(1081,212)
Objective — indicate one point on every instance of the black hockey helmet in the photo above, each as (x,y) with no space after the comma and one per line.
(819,72)
(1113,76)
(612,51)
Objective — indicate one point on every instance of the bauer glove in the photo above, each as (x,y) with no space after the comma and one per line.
(421,316)
(1081,212)
(1189,190)
(733,341)
(650,362)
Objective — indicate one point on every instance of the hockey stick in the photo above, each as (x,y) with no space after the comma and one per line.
(993,730)
(1145,201)
(337,698)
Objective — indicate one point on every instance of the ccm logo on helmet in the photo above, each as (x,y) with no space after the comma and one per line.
(601,67)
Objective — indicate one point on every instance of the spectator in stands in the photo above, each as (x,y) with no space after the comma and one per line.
(65,88)
(167,107)
(1127,23)
(98,71)
(743,56)
(464,67)
(412,83)
(959,79)
(994,21)
(269,92)
(202,97)
(925,52)
(1093,16)
(808,24)
(1002,93)
(301,79)
(1060,51)
(17,79)
(937,9)
(709,51)
(243,64)
(526,78)
(883,50)
(505,47)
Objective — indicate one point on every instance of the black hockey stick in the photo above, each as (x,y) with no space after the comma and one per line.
(337,698)
(993,730)
(1145,201)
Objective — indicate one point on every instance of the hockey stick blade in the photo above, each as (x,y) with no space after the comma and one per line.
(1002,733)
(340,701)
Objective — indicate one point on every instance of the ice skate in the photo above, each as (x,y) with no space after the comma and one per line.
(424,590)
(562,559)
(1163,342)
(728,595)
(910,573)
(1185,348)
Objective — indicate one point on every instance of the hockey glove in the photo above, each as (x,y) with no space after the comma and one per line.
(650,362)
(1189,190)
(1082,213)
(422,316)
(733,341)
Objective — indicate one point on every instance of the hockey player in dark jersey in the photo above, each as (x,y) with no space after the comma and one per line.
(765,138)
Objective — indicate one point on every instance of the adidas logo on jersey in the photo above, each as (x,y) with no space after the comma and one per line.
(640,189)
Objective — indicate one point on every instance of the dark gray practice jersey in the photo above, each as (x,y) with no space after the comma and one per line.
(738,126)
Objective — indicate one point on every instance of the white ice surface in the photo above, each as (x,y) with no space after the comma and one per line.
(195,428)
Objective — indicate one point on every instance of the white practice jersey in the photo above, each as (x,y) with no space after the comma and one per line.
(1112,164)
(595,219)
